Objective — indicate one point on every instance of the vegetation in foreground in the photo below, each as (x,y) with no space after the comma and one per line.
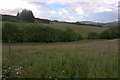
(83,59)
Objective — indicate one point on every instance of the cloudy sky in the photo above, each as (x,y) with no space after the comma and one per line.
(65,10)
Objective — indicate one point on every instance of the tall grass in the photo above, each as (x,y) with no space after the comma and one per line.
(81,60)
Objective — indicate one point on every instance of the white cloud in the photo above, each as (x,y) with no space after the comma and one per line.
(79,11)
(14,6)
(52,12)
(63,12)
(80,7)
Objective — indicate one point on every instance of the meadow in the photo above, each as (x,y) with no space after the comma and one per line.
(81,59)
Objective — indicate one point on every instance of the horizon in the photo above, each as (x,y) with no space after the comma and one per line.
(69,11)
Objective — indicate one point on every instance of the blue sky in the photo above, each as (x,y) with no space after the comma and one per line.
(65,10)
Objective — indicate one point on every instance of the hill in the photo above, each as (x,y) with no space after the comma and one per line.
(80,29)
(110,24)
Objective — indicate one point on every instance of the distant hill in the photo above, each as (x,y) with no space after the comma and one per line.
(111,24)
(88,22)
(108,24)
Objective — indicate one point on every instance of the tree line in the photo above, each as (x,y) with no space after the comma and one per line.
(112,33)
(37,34)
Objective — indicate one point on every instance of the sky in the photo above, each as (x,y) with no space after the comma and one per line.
(65,10)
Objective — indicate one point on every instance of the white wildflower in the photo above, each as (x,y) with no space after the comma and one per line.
(17,72)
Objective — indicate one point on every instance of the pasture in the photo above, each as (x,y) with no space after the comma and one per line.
(81,59)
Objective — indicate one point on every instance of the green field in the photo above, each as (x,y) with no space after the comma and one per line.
(84,30)
(82,59)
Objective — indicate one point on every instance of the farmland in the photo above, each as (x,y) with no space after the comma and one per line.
(81,59)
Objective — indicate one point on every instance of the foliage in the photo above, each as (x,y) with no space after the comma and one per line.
(111,33)
(93,35)
(37,33)
(70,35)
(26,15)
(10,32)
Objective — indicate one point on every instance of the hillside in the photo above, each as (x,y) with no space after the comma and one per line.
(80,29)
(110,24)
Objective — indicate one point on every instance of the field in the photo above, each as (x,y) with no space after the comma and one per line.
(82,59)
(84,30)
(80,29)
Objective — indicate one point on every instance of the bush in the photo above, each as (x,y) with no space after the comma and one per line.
(36,33)
(70,35)
(110,34)
(10,32)
(93,35)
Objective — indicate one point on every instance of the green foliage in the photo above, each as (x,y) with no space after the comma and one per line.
(10,32)
(37,33)
(111,33)
(93,35)
(26,15)
(70,35)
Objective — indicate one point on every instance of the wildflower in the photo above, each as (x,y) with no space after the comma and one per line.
(17,72)
(63,71)
(20,67)
(5,70)
(15,69)
(9,68)
(49,77)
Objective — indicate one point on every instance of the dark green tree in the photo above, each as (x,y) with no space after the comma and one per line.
(26,15)
(10,33)
(93,35)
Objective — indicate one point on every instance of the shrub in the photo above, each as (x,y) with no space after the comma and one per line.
(36,33)
(70,35)
(10,32)
(93,35)
(110,34)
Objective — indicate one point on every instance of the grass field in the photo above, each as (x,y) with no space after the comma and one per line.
(82,59)
(80,29)
(84,30)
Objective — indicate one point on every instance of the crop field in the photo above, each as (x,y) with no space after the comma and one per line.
(82,59)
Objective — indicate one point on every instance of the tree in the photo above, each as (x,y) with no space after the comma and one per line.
(70,35)
(10,33)
(93,35)
(26,15)
(111,33)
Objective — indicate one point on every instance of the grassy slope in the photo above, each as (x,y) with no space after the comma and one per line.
(80,29)
(76,59)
